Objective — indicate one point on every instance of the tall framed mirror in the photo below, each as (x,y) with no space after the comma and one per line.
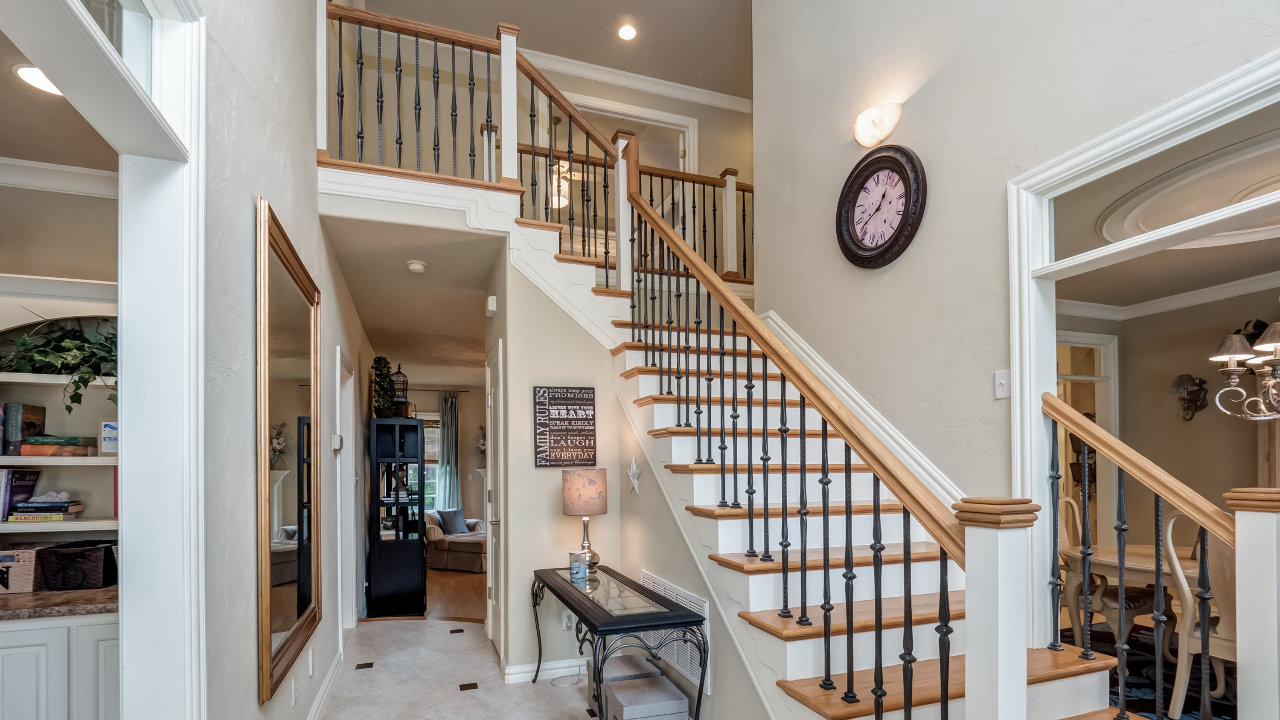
(288,479)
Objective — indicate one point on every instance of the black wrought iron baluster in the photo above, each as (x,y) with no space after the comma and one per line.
(471,104)
(684,331)
(724,447)
(533,150)
(742,200)
(1122,644)
(944,635)
(635,279)
(766,556)
(359,92)
(751,486)
(733,412)
(1158,618)
(704,220)
(850,695)
(697,375)
(825,481)
(907,657)
(651,270)
(552,188)
(586,195)
(417,104)
(488,112)
(615,235)
(435,92)
(379,95)
(399,112)
(1055,564)
(453,104)
(715,234)
(673,349)
(1204,595)
(693,210)
(520,168)
(569,182)
(877,573)
(339,93)
(803,514)
(684,228)
(785,542)
(708,379)
(1086,558)
(664,337)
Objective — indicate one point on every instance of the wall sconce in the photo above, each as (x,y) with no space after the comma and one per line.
(875,124)
(1194,395)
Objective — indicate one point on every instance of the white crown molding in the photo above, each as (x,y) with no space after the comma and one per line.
(58,178)
(915,460)
(644,83)
(1258,283)
(683,123)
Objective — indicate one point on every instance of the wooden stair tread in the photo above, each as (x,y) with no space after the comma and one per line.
(679,349)
(728,375)
(924,611)
(741,432)
(586,260)
(611,292)
(862,557)
(627,324)
(1108,713)
(715,512)
(648,400)
(1042,666)
(774,468)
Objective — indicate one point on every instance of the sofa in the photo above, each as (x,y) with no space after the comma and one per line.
(459,551)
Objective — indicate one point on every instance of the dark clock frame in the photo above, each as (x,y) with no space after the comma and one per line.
(908,166)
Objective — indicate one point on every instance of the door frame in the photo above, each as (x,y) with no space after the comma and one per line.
(1034,271)
(685,124)
(1108,416)
(347,491)
(495,497)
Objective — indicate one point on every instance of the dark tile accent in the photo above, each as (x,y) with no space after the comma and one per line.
(455,631)
(591,712)
(468,686)
(364,666)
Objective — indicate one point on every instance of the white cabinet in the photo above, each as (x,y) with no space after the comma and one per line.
(64,668)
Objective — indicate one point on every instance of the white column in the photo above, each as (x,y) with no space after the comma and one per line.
(508,81)
(1257,592)
(623,206)
(729,213)
(997,536)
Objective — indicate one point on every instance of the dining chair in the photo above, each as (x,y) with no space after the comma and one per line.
(1222,628)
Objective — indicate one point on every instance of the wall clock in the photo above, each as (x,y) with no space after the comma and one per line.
(880,206)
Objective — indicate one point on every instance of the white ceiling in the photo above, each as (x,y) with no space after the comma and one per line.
(1236,162)
(37,125)
(432,324)
(705,44)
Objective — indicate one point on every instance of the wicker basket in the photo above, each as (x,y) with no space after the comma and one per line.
(84,565)
(18,565)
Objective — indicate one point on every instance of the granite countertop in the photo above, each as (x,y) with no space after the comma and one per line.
(57,603)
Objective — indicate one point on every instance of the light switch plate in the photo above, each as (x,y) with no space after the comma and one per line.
(336,441)
(1002,384)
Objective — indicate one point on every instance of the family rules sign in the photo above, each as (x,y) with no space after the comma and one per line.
(564,426)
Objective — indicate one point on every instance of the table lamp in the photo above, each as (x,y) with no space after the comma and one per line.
(586,494)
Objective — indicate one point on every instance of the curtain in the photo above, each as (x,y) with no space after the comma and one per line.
(448,474)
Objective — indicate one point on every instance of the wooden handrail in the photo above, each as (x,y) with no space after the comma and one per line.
(682,176)
(541,82)
(1189,502)
(932,514)
(747,187)
(540,151)
(412,28)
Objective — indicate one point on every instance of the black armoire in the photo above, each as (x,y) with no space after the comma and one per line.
(397,562)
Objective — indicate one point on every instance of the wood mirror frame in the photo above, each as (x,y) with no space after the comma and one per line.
(274,665)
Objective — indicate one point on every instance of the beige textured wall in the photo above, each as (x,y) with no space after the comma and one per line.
(261,141)
(991,90)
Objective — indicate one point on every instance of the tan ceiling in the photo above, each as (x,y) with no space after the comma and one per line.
(57,235)
(705,44)
(1078,216)
(433,324)
(37,125)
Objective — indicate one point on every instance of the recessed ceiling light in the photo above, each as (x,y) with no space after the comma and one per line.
(35,78)
(627,32)
(417,266)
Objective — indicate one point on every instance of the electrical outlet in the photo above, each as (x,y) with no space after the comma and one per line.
(293,691)
(311,663)
(1002,384)
(566,620)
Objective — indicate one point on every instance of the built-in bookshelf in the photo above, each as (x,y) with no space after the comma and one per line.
(77,525)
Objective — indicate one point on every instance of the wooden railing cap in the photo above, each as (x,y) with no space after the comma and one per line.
(727,172)
(623,134)
(1000,513)
(507,29)
(1254,499)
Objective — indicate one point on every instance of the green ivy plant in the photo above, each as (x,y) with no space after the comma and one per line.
(67,347)
(384,390)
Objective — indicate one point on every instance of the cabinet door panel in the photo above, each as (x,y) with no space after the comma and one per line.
(96,673)
(33,674)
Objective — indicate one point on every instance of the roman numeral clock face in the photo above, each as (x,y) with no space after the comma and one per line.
(880,206)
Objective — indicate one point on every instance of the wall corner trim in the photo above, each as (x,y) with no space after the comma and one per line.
(323,695)
(928,473)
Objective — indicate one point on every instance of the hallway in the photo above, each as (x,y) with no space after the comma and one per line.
(418,668)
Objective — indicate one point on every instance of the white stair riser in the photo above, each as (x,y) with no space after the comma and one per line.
(764,590)
(672,415)
(730,536)
(805,658)
(696,339)
(695,365)
(706,487)
(655,384)
(684,450)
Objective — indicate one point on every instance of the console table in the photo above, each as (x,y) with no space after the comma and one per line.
(612,611)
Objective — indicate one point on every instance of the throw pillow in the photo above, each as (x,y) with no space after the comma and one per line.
(452,522)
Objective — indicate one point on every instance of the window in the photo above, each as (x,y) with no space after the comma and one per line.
(431,453)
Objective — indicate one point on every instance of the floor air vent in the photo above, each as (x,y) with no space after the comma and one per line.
(681,656)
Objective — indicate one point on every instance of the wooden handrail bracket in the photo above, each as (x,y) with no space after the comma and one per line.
(1189,502)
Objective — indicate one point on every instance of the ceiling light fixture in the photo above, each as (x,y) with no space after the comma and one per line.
(34,77)
(875,124)
(1263,360)
(627,32)
(417,267)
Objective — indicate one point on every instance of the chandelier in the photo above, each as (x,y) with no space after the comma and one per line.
(1264,359)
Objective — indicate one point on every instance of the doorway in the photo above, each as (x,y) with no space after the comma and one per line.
(1088,374)
(350,505)
(494,487)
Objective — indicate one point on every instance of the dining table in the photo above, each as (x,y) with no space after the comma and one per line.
(1139,571)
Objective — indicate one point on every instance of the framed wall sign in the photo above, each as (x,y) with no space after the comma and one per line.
(564,426)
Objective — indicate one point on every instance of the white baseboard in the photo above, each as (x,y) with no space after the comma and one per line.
(898,444)
(321,697)
(550,669)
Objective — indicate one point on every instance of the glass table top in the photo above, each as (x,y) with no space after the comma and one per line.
(615,597)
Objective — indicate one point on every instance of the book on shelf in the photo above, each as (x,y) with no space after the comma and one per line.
(59,440)
(16,486)
(24,508)
(21,420)
(42,517)
(29,450)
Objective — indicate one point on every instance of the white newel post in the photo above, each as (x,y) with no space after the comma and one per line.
(508,81)
(623,207)
(728,211)
(997,535)
(1257,592)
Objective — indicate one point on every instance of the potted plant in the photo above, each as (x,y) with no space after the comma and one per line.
(384,391)
(67,347)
